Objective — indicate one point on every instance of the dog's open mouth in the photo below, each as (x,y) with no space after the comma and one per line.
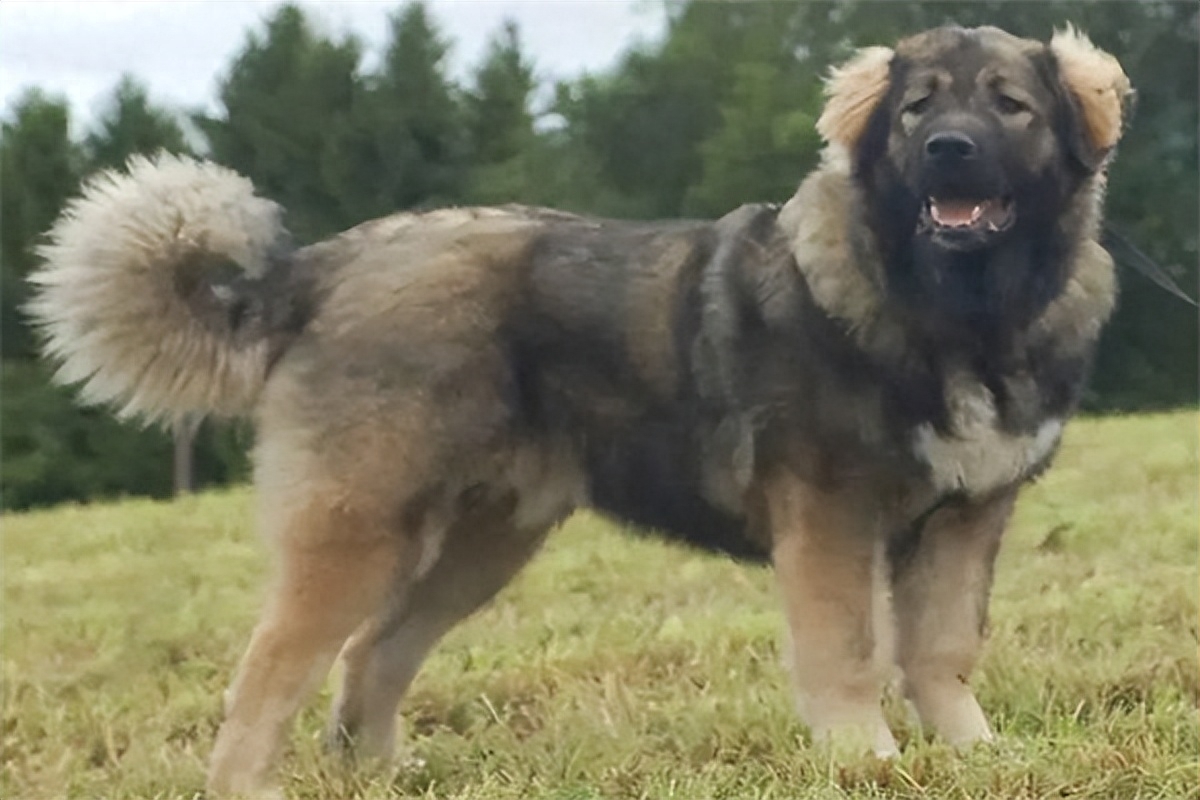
(991,215)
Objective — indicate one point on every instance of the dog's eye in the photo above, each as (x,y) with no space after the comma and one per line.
(1010,105)
(917,106)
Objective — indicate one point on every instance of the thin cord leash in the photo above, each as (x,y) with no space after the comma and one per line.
(1144,264)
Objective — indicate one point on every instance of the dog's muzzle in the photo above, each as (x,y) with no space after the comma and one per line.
(962,209)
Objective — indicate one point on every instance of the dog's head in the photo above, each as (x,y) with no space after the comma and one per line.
(969,141)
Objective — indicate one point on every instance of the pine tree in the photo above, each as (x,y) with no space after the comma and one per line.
(499,120)
(501,141)
(766,142)
(284,97)
(131,125)
(403,146)
(646,120)
(39,170)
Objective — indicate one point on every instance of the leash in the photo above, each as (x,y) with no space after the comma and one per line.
(1144,264)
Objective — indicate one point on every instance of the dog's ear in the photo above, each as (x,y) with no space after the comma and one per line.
(853,91)
(1099,91)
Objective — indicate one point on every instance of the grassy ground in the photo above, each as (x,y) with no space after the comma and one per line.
(621,668)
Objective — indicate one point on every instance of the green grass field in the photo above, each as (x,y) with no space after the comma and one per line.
(623,668)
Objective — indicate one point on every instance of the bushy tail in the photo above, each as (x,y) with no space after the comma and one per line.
(145,293)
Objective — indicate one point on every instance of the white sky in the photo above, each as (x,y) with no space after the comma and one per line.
(79,48)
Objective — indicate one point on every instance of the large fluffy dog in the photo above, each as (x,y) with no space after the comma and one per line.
(853,385)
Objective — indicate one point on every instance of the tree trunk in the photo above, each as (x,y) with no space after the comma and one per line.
(183,431)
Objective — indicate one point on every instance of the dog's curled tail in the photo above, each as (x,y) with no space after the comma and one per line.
(150,293)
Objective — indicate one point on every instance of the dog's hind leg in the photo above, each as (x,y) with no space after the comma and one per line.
(479,557)
(827,556)
(335,567)
(940,592)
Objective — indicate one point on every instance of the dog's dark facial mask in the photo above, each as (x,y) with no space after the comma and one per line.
(970,129)
(973,147)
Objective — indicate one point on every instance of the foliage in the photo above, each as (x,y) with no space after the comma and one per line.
(39,170)
(623,668)
(402,146)
(57,451)
(766,138)
(132,125)
(284,97)
(499,122)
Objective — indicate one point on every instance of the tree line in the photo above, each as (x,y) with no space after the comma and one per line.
(719,111)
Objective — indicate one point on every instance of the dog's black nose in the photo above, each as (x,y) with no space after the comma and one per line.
(950,146)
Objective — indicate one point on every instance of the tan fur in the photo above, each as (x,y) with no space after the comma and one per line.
(825,552)
(829,249)
(650,340)
(940,601)
(325,589)
(107,300)
(331,510)
(370,453)
(482,554)
(853,91)
(1098,83)
(835,252)
(1088,301)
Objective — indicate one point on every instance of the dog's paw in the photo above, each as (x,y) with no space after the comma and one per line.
(849,743)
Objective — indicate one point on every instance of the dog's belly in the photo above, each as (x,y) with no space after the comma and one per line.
(655,484)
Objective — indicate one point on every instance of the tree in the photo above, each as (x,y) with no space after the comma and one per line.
(766,139)
(646,121)
(403,146)
(39,170)
(644,124)
(56,451)
(131,125)
(498,120)
(284,97)
(499,123)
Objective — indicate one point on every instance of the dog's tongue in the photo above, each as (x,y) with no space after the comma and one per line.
(963,213)
(955,212)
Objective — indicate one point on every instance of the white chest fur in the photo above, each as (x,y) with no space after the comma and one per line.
(976,457)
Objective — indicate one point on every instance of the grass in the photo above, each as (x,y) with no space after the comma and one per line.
(623,668)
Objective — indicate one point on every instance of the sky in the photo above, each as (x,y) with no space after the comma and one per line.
(79,48)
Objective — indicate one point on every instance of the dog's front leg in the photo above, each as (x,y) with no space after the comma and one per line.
(827,555)
(942,584)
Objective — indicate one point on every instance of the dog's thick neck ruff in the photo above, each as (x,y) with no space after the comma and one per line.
(839,259)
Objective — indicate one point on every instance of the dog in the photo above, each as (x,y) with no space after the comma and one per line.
(853,385)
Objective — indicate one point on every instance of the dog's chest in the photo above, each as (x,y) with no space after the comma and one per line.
(977,456)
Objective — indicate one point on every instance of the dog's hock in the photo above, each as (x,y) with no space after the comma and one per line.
(1098,84)
(854,90)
